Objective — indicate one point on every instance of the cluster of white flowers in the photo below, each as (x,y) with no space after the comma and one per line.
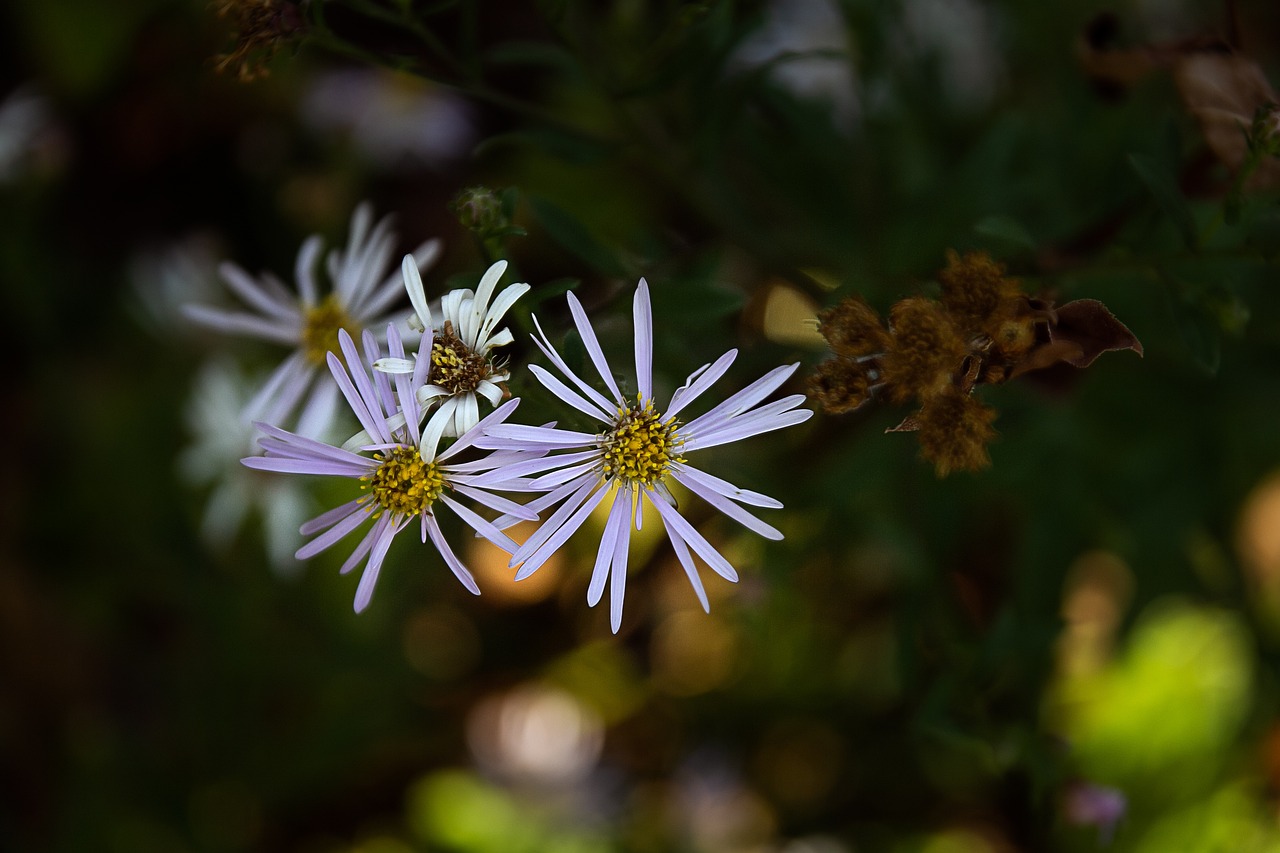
(423,444)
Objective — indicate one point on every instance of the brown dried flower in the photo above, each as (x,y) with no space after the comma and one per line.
(262,28)
(983,331)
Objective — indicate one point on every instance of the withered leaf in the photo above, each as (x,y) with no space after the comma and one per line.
(1089,324)
(910,423)
(1047,355)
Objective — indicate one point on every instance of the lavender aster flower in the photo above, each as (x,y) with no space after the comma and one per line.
(463,368)
(407,474)
(362,291)
(639,450)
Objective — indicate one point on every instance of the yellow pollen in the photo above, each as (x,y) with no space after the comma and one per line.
(641,446)
(454,366)
(320,325)
(403,483)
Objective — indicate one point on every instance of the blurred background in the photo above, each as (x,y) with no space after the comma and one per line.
(1072,650)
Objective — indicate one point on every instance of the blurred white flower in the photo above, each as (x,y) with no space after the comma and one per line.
(28,132)
(222,433)
(163,279)
(393,119)
(362,292)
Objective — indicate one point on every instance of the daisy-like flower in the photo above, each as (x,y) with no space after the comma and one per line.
(463,368)
(640,449)
(308,322)
(403,472)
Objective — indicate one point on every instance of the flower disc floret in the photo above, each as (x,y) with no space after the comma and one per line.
(455,367)
(403,483)
(320,325)
(641,447)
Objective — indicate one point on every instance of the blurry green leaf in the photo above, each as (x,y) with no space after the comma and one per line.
(1005,228)
(1163,186)
(573,235)
(549,290)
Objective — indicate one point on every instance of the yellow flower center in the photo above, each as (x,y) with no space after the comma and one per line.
(403,483)
(320,325)
(454,366)
(641,446)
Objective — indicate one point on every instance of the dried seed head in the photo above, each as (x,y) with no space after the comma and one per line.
(973,288)
(853,328)
(839,385)
(925,353)
(954,429)
(262,28)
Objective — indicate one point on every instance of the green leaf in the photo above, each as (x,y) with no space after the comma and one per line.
(1164,189)
(1005,228)
(573,235)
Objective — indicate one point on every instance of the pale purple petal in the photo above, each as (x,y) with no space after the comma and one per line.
(618,579)
(745,399)
(672,520)
(455,565)
(554,357)
(332,535)
(304,270)
(468,438)
(747,426)
(686,560)
(253,293)
(698,382)
(553,533)
(683,473)
(568,395)
(481,525)
(589,340)
(282,390)
(495,502)
(319,411)
(540,435)
(619,514)
(287,332)
(381,544)
(323,467)
(361,551)
(729,508)
(330,517)
(374,426)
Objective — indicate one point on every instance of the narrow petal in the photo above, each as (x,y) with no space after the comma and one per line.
(553,532)
(690,570)
(304,270)
(613,527)
(746,398)
(544,344)
(329,518)
(731,509)
(745,427)
(319,467)
(683,473)
(474,319)
(319,411)
(568,395)
(381,544)
(253,293)
(374,426)
(540,435)
(643,314)
(494,418)
(618,578)
(589,340)
(417,295)
(451,559)
(501,305)
(698,382)
(332,535)
(480,525)
(672,520)
(395,365)
(286,332)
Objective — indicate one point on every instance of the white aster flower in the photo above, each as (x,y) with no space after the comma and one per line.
(633,457)
(362,291)
(403,471)
(463,368)
(222,435)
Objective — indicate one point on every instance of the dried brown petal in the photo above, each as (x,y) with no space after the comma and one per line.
(1088,323)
